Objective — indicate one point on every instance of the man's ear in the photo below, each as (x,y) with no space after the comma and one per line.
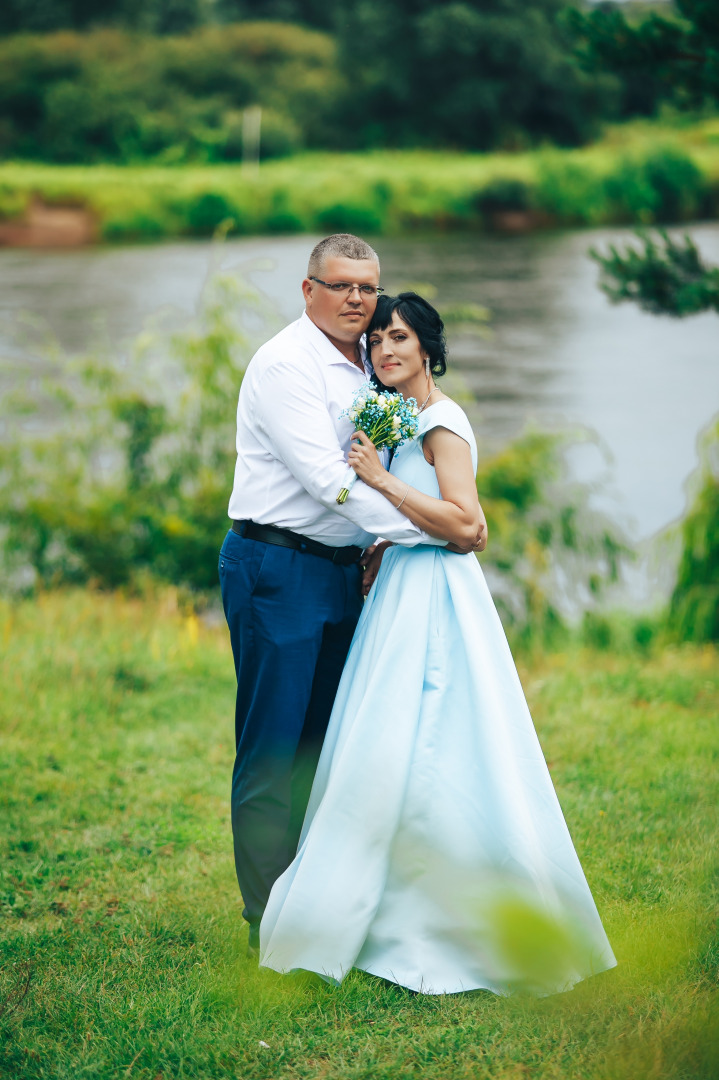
(307,289)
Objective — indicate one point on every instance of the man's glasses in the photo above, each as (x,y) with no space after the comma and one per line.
(345,287)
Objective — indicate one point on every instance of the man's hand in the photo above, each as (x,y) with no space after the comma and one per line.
(370,562)
(479,544)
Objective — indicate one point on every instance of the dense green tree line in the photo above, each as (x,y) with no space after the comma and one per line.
(155,16)
(109,95)
(128,81)
(475,74)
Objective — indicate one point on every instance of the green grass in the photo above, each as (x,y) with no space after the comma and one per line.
(640,172)
(122,950)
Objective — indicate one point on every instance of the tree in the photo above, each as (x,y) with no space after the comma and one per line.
(682,52)
(670,278)
(665,278)
(678,54)
(107,95)
(315,13)
(473,73)
(150,16)
(155,16)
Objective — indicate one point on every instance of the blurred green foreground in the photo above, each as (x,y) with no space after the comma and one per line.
(123,948)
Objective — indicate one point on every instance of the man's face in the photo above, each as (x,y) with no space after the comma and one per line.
(343,316)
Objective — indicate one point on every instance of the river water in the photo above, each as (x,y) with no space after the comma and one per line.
(559,354)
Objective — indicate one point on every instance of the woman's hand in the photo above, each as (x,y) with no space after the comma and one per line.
(364,460)
(372,560)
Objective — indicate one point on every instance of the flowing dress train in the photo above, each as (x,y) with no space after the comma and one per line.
(434,852)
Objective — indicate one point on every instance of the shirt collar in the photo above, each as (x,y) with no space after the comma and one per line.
(329,353)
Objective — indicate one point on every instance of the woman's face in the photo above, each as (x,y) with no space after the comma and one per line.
(396,353)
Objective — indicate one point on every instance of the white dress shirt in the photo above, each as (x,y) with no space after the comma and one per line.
(292,445)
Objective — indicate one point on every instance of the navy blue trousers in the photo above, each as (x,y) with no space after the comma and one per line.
(291,617)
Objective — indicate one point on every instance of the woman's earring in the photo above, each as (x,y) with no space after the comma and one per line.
(426,366)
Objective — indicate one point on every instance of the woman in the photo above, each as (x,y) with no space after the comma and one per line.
(433,844)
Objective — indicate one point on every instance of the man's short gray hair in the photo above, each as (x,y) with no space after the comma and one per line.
(344,245)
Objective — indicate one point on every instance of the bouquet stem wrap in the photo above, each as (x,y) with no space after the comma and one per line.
(350,477)
(386,419)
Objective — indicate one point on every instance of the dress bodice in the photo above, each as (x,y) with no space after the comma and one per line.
(409,462)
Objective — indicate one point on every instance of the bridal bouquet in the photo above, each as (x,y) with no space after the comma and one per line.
(386,419)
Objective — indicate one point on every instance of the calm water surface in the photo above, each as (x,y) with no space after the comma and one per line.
(560,355)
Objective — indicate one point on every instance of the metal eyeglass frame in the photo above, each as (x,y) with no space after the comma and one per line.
(377,290)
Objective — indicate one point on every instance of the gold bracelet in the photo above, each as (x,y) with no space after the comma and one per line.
(403,498)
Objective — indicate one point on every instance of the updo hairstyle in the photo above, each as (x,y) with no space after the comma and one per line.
(418,314)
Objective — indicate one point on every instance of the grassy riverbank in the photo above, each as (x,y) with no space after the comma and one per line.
(641,173)
(122,944)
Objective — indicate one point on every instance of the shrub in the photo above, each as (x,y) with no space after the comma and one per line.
(12,201)
(694,607)
(570,189)
(644,632)
(596,631)
(135,480)
(664,186)
(208,211)
(549,553)
(503,194)
(380,192)
(349,215)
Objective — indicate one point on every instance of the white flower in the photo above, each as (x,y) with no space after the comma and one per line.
(382,401)
(415,410)
(396,421)
(397,435)
(358,407)
(371,393)
(352,414)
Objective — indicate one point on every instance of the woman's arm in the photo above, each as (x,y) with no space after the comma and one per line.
(457,516)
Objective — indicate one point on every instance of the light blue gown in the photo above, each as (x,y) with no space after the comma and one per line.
(434,852)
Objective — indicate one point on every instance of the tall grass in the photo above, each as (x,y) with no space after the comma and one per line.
(123,951)
(125,475)
(640,173)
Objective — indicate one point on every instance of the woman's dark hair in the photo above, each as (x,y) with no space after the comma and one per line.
(422,318)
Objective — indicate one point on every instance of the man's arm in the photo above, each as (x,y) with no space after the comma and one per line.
(294,416)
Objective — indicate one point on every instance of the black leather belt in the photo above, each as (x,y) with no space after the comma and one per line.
(272,534)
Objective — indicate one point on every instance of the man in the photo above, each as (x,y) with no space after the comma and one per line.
(290,566)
